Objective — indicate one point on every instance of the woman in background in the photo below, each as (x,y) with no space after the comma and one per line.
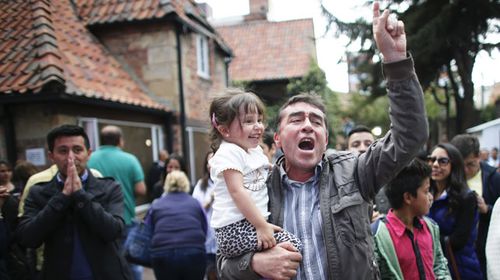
(455,211)
(16,261)
(179,230)
(204,193)
(22,172)
(173,162)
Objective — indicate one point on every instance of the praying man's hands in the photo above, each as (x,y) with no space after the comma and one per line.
(73,182)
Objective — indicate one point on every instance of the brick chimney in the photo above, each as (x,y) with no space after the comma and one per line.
(207,10)
(258,10)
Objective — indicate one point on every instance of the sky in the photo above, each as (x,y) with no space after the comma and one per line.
(330,50)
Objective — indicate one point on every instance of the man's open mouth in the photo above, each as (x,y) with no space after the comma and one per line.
(306,144)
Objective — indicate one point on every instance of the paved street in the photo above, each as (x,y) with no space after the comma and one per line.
(148,274)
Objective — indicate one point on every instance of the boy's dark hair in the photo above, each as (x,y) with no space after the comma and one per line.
(467,144)
(407,181)
(358,129)
(66,130)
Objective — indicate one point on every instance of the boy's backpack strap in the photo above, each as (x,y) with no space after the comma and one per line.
(374,225)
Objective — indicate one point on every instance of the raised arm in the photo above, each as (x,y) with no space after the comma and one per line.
(409,129)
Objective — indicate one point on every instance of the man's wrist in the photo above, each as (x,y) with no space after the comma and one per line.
(246,261)
(394,57)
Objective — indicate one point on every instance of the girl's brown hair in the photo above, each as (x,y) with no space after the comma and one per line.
(225,108)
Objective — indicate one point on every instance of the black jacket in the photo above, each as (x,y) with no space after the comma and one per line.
(96,212)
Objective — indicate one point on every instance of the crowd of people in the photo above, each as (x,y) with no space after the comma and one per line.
(268,205)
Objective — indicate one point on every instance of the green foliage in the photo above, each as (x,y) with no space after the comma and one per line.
(240,84)
(441,35)
(368,111)
(488,114)
(434,110)
(313,82)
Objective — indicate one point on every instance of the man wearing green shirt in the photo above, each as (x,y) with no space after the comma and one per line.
(112,161)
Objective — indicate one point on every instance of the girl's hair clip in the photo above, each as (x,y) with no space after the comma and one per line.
(214,121)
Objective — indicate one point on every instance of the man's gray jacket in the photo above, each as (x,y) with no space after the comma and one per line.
(348,183)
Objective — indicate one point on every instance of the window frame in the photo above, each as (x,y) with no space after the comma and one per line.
(202,56)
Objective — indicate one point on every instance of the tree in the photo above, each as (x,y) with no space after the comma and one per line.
(443,35)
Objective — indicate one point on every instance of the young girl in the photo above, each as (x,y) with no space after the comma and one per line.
(239,170)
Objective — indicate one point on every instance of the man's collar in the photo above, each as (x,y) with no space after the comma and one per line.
(84,177)
(109,147)
(284,175)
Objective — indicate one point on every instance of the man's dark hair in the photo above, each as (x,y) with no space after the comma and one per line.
(358,129)
(407,181)
(66,130)
(467,144)
(110,136)
(268,138)
(308,98)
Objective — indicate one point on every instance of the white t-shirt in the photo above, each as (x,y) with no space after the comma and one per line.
(254,166)
(493,244)
(205,197)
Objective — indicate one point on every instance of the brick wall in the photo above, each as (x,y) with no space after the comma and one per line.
(150,51)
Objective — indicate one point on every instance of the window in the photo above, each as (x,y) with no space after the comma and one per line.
(202,56)
(144,140)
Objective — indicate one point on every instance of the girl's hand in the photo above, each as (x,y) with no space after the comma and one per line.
(265,236)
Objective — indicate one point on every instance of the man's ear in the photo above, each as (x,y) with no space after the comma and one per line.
(277,140)
(51,156)
(328,135)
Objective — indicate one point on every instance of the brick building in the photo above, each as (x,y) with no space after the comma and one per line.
(148,66)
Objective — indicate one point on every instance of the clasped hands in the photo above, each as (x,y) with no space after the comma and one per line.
(72,183)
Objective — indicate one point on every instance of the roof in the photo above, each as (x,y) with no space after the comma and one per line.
(483,126)
(44,42)
(97,12)
(266,50)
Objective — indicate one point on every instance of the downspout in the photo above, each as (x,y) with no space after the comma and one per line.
(182,111)
(10,134)
(227,60)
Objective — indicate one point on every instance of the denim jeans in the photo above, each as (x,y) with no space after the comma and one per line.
(179,263)
(136,270)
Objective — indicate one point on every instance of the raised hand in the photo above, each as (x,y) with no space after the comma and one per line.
(389,35)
